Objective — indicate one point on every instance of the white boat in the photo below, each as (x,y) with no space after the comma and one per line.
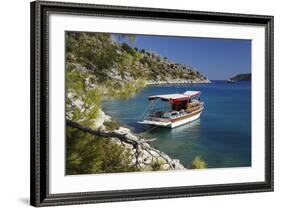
(184,108)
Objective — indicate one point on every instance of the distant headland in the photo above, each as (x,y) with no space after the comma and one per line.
(242,77)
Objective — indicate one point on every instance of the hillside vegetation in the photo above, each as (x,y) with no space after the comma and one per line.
(114,65)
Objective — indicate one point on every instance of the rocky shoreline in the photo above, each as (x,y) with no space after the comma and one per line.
(146,159)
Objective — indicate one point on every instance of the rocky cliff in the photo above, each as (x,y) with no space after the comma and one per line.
(106,60)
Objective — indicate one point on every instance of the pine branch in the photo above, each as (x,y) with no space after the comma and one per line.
(123,138)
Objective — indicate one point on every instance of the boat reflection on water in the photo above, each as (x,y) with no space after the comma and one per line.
(181,143)
(189,127)
(191,130)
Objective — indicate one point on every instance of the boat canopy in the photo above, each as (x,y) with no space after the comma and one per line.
(175,97)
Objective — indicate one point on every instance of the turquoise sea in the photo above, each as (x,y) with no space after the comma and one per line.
(222,135)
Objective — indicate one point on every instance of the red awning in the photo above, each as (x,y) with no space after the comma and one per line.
(175,97)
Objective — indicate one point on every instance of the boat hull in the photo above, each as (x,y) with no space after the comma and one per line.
(155,123)
(175,122)
(185,120)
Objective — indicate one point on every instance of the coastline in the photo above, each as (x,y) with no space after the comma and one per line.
(190,81)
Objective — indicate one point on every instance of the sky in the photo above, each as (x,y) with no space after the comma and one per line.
(217,59)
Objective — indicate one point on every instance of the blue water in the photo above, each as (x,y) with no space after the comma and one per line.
(222,135)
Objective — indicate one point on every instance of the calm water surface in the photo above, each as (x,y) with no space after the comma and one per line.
(222,135)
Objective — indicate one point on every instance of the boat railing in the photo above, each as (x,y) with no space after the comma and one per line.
(157,113)
(161,109)
(151,118)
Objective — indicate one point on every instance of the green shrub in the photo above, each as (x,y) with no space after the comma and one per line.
(198,163)
(128,49)
(87,154)
(111,125)
(157,165)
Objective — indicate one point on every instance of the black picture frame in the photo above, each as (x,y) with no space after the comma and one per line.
(39,194)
